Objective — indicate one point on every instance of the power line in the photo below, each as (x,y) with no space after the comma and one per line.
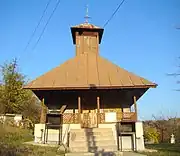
(37,26)
(57,4)
(113,13)
(42,32)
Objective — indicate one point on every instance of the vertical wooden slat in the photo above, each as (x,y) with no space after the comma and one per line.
(98,110)
(74,116)
(79,108)
(135,106)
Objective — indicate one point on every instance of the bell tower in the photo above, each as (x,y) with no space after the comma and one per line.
(86,37)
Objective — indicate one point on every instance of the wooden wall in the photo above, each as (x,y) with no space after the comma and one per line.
(87,43)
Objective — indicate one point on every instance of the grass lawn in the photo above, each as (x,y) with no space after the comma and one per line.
(12,143)
(164,149)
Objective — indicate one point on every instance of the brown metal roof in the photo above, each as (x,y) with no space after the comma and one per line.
(86,71)
(87,25)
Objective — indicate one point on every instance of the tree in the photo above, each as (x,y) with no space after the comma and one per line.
(176,74)
(15,99)
(12,94)
(166,125)
(1,102)
(151,134)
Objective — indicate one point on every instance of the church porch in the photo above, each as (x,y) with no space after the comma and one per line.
(92,107)
(99,111)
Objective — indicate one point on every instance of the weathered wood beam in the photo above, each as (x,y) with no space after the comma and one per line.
(79,108)
(98,110)
(135,106)
(43,112)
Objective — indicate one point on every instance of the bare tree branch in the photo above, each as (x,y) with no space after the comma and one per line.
(177,90)
(173,74)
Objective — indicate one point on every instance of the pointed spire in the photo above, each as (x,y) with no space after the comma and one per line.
(87,16)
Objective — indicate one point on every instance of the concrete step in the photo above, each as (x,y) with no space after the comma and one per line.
(81,138)
(92,143)
(110,133)
(92,140)
(116,153)
(80,154)
(93,149)
(95,138)
(92,130)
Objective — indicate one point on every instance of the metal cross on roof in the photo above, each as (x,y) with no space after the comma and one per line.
(87,16)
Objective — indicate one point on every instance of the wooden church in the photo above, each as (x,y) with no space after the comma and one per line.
(99,96)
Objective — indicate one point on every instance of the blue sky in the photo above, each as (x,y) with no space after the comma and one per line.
(140,38)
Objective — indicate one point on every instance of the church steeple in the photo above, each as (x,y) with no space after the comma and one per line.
(86,37)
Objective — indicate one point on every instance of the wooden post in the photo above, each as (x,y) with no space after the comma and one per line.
(98,110)
(135,106)
(43,112)
(79,108)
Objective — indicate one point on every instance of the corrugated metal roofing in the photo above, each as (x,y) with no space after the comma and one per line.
(86,71)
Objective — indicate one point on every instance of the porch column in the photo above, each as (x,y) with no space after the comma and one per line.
(135,107)
(79,108)
(43,112)
(98,110)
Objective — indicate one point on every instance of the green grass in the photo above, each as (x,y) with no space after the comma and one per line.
(12,143)
(28,150)
(164,149)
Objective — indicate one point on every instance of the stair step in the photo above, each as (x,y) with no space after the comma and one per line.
(91,143)
(93,149)
(80,154)
(92,130)
(92,140)
(91,133)
(115,153)
(95,138)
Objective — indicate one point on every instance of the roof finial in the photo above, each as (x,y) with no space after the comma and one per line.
(87,16)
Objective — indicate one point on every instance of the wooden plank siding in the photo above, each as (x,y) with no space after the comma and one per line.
(73,118)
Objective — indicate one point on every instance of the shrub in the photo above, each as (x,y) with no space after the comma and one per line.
(151,134)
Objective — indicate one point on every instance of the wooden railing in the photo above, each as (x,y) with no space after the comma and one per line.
(129,116)
(73,118)
(102,117)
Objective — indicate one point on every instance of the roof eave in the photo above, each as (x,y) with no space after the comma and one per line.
(93,87)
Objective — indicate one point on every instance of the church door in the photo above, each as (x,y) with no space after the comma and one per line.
(89,119)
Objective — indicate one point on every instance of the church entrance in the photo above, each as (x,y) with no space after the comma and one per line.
(89,119)
(89,112)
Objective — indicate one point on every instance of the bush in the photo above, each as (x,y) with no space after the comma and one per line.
(11,139)
(151,134)
(12,134)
